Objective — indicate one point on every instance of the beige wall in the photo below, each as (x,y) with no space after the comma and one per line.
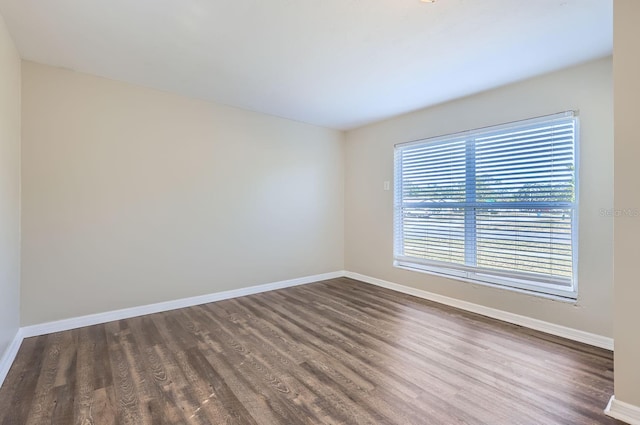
(369,209)
(9,189)
(626,66)
(133,196)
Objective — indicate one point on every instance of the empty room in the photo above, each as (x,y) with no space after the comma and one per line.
(339,212)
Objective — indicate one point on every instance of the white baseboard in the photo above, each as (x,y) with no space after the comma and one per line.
(623,411)
(93,319)
(9,355)
(528,322)
(109,316)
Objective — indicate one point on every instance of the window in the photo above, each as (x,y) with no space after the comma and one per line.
(495,205)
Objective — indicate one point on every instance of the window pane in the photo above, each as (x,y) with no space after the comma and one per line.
(534,165)
(434,234)
(529,240)
(434,173)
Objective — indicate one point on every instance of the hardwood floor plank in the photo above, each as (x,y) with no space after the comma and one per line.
(18,390)
(129,409)
(333,352)
(102,373)
(43,403)
(104,409)
(85,388)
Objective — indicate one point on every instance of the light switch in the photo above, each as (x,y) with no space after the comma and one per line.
(387,185)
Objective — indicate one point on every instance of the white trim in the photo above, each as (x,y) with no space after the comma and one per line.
(528,322)
(623,411)
(9,355)
(616,407)
(109,316)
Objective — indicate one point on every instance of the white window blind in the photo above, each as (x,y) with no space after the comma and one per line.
(494,205)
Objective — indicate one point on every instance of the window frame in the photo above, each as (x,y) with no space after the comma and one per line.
(545,287)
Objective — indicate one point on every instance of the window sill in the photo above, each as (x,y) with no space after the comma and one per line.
(568,299)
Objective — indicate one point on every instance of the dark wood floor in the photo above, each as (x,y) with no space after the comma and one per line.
(333,352)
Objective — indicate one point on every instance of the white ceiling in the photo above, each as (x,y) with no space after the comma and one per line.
(334,63)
